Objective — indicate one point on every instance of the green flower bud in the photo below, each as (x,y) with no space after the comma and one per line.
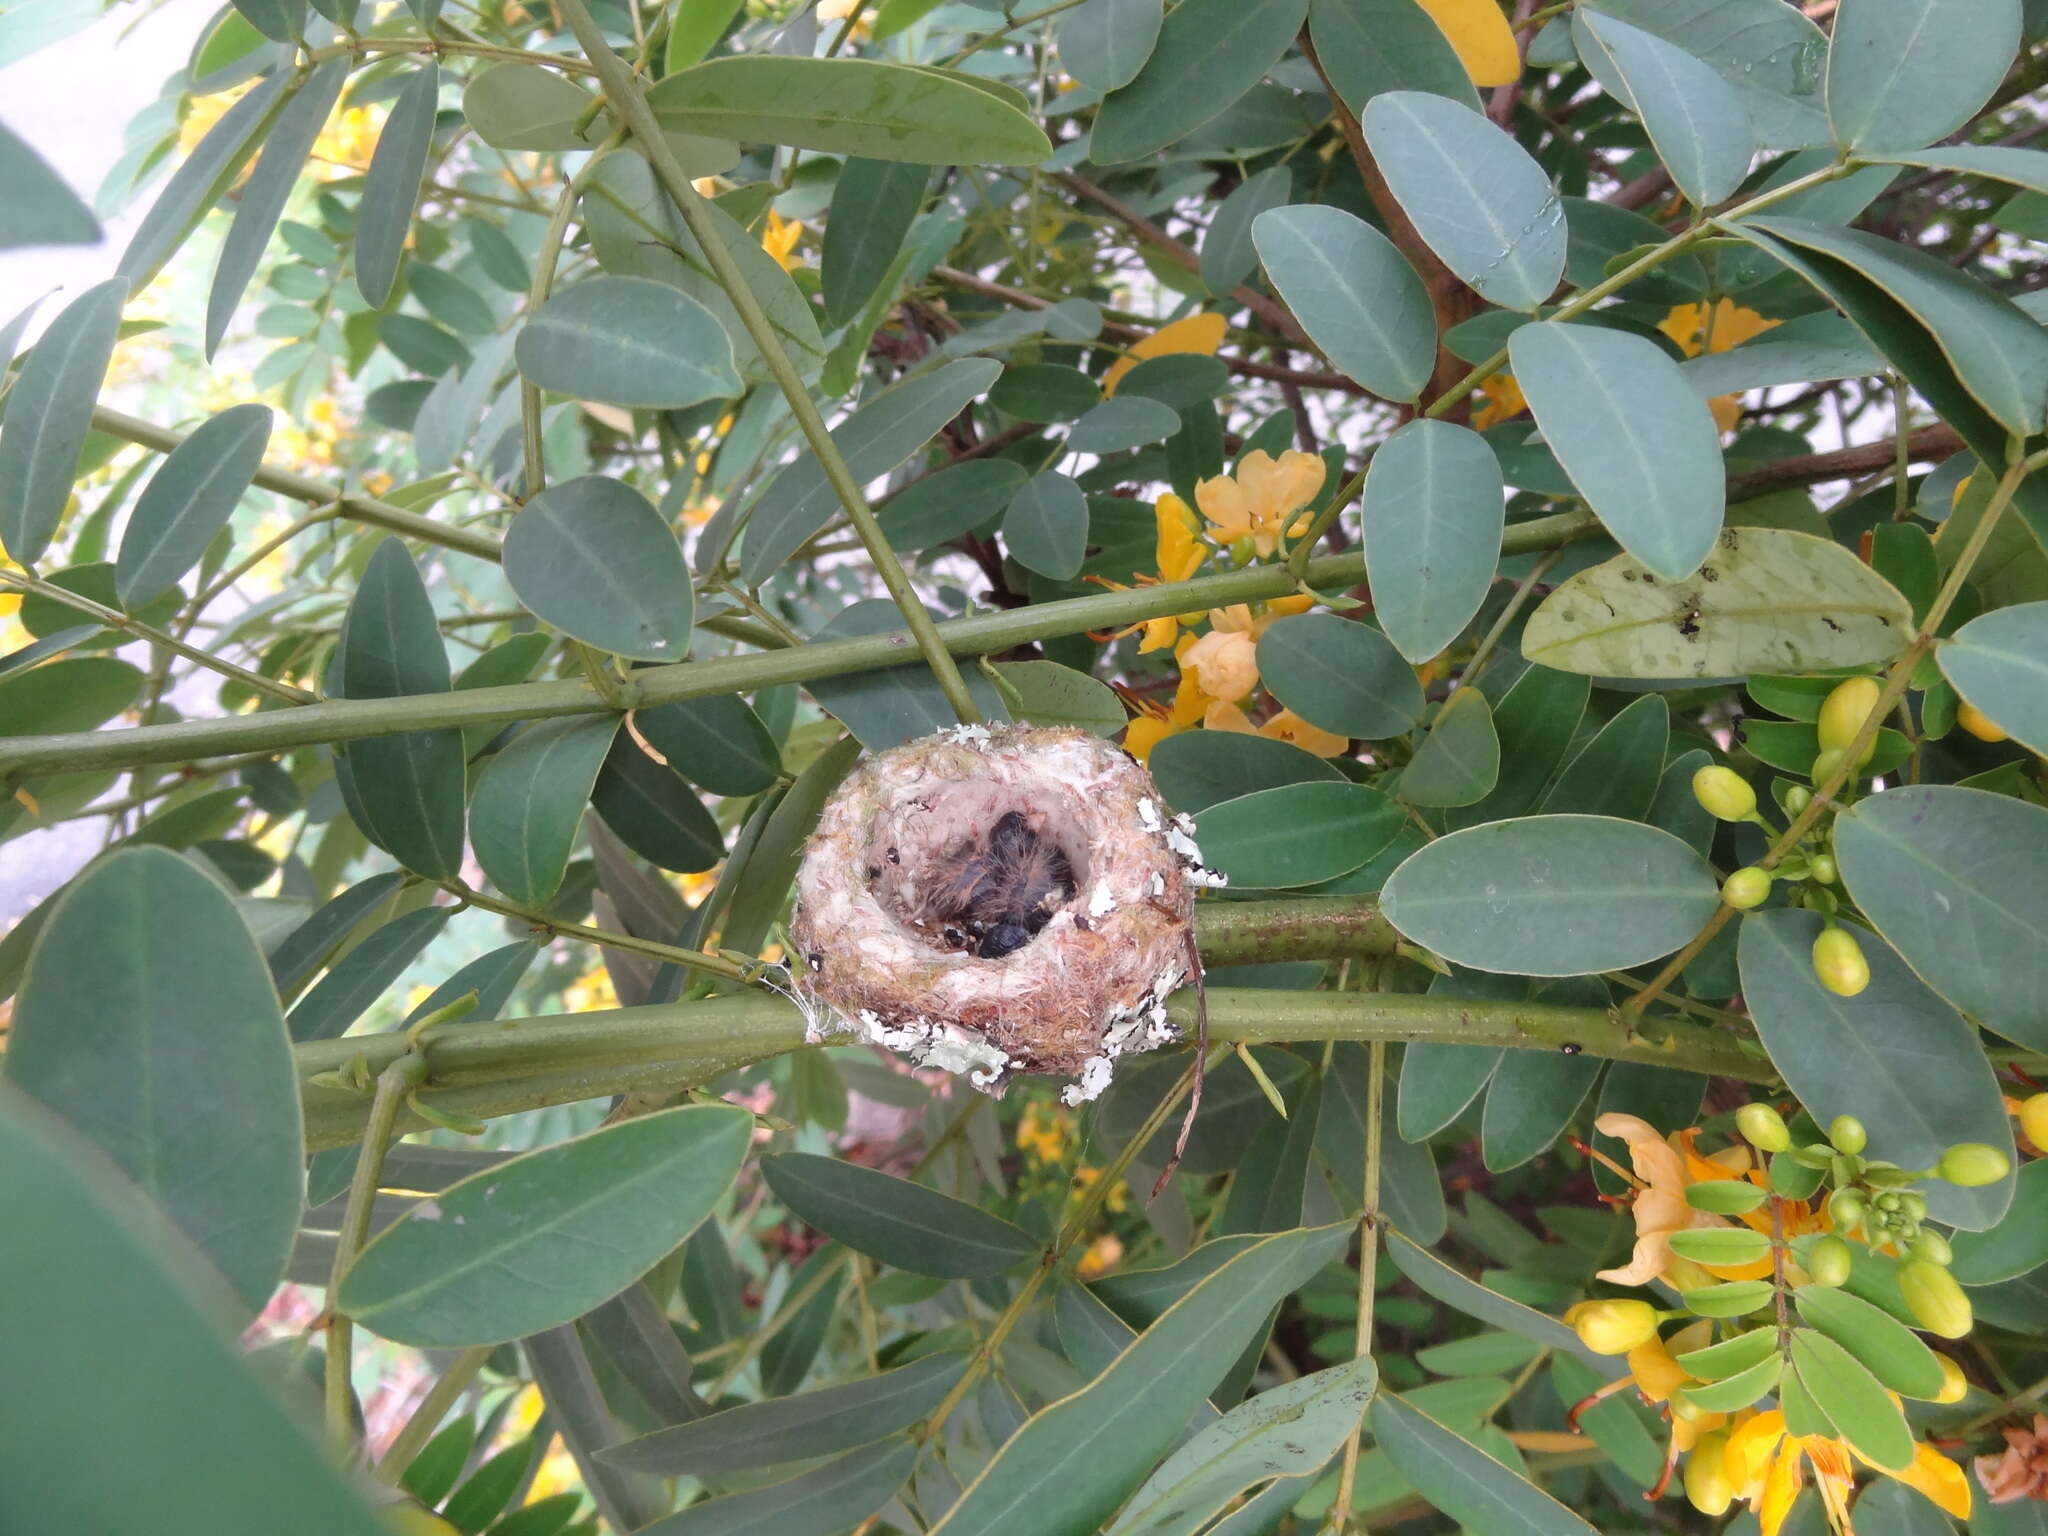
(1746,888)
(1838,962)
(1828,1261)
(1724,793)
(1843,713)
(1933,1247)
(1797,799)
(1972,1163)
(1887,1202)
(1846,1208)
(1763,1127)
(1847,1134)
(1822,867)
(1825,765)
(1935,1300)
(1244,551)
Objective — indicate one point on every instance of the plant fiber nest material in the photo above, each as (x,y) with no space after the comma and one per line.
(1088,986)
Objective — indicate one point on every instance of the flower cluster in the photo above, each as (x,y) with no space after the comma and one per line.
(1794,1263)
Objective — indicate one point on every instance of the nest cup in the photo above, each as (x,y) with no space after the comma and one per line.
(880,944)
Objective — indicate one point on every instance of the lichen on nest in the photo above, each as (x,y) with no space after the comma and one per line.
(998,900)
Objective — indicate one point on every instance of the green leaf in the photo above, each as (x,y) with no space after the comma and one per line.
(529,804)
(874,440)
(1198,769)
(718,743)
(36,207)
(83,1248)
(1298,834)
(1458,762)
(365,974)
(549,1235)
(895,1221)
(592,557)
(1477,199)
(1050,694)
(1905,73)
(486,1491)
(522,106)
(404,792)
(1617,772)
(1953,877)
(1868,1055)
(286,143)
(2018,1244)
(1073,1463)
(1433,515)
(1552,895)
(1045,528)
(1372,46)
(1436,1278)
(1043,392)
(1890,1350)
(888,706)
(1537,720)
(939,507)
(307,948)
(1850,1396)
(1697,121)
(874,204)
(1734,1298)
(820,1502)
(1765,600)
(148,1022)
(1731,1355)
(1462,1480)
(820,1423)
(628,341)
(695,29)
(1999,662)
(1738,1391)
(200,182)
(1228,249)
(49,412)
(1637,441)
(1209,54)
(391,191)
(1123,423)
(849,107)
(1724,1197)
(1104,43)
(1341,675)
(1997,351)
(1410,1191)
(1359,301)
(1722,1246)
(653,812)
(75,694)
(2022,167)
(1290,1430)
(1530,1099)
(1766,49)
(430,1475)
(188,501)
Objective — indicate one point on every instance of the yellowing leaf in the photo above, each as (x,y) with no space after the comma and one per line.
(1201,334)
(1481,36)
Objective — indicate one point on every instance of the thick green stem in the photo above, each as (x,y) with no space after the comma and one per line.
(433,1408)
(630,103)
(978,634)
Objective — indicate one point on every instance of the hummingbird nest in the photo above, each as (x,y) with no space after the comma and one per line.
(996,900)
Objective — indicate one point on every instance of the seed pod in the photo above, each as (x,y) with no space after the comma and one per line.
(1935,1300)
(1843,713)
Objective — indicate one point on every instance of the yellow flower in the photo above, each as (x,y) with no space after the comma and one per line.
(1144,733)
(1044,1132)
(1504,400)
(780,238)
(1119,1196)
(1613,1326)
(1225,663)
(1102,1256)
(1289,727)
(1654,1371)
(1261,499)
(1704,328)
(1200,334)
(1179,552)
(1767,1467)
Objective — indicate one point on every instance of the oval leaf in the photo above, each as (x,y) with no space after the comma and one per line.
(1299,834)
(1458,762)
(188,501)
(653,812)
(820,1502)
(49,410)
(1341,675)
(1765,600)
(529,804)
(1354,294)
(718,743)
(628,341)
(592,557)
(391,191)
(1552,895)
(147,1020)
(1433,513)
(1905,73)
(1696,119)
(1209,54)
(1462,1480)
(895,1221)
(1999,662)
(1852,1399)
(1104,43)
(1893,1352)
(1636,439)
(546,1237)
(1046,526)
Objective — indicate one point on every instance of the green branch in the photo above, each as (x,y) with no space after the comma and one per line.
(977,634)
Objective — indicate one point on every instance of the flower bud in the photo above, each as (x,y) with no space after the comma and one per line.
(1955,1386)
(1244,551)
(1977,723)
(1825,765)
(1933,1247)
(1972,1163)
(1838,962)
(1614,1327)
(1846,1209)
(1797,799)
(1763,1127)
(1935,1300)
(1843,713)
(1846,1134)
(1822,867)
(1707,1486)
(1724,793)
(1746,888)
(2034,1119)
(1828,1261)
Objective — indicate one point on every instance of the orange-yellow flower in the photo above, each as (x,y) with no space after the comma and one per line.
(1261,500)
(1767,1467)
(1201,334)
(1225,663)
(1504,400)
(780,238)
(1703,328)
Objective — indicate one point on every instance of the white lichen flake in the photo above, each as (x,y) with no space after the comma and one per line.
(997,900)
